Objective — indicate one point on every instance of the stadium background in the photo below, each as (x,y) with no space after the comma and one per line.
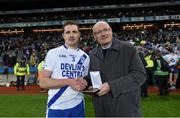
(35,25)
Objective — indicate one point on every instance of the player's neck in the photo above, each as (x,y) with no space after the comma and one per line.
(71,46)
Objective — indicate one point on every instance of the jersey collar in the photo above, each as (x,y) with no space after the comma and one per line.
(65,46)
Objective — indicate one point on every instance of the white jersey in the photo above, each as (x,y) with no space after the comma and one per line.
(66,63)
(171,58)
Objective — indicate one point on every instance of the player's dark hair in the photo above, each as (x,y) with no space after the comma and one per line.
(70,22)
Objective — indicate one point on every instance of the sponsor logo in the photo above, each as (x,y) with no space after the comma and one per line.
(62,55)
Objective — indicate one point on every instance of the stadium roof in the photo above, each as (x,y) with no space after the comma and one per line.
(41,4)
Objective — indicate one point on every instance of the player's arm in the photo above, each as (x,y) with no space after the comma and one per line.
(45,81)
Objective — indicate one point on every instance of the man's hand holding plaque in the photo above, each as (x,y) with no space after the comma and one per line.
(96,83)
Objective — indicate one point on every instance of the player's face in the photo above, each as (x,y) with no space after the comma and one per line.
(71,36)
(102,33)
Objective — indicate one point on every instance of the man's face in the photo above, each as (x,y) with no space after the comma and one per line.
(102,32)
(71,36)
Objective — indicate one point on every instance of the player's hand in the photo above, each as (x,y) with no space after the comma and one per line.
(82,83)
(104,89)
(78,84)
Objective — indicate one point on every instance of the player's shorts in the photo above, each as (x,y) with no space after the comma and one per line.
(77,111)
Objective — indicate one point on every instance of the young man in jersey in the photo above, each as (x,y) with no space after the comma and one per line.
(63,73)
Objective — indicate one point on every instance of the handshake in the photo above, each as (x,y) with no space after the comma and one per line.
(78,84)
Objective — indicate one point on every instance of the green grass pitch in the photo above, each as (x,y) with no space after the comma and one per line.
(35,106)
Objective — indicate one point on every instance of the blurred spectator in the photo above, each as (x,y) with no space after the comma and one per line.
(5,58)
(161,73)
(33,59)
(172,60)
(144,87)
(20,70)
(11,59)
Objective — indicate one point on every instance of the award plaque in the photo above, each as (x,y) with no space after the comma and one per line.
(90,90)
(96,83)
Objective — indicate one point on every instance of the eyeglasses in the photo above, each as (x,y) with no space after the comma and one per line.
(105,30)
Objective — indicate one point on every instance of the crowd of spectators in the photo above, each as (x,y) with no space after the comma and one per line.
(24,45)
(77,15)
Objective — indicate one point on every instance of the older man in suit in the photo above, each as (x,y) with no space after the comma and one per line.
(122,74)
